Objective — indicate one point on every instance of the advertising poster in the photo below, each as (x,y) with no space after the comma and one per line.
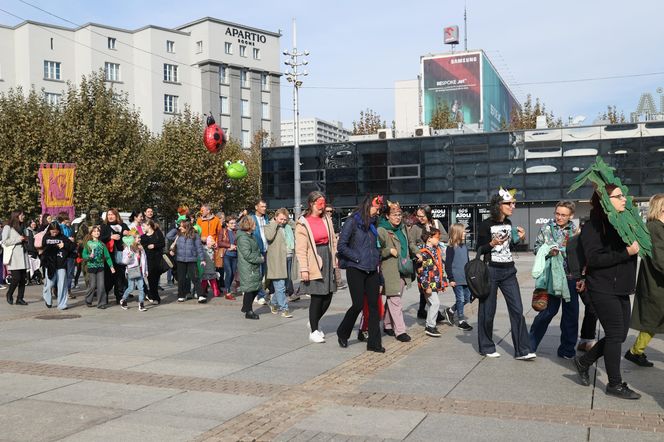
(498,100)
(455,80)
(442,215)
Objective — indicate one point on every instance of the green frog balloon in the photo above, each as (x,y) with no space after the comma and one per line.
(236,170)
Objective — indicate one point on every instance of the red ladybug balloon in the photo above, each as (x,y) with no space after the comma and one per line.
(214,138)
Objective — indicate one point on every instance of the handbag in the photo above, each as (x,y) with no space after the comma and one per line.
(166,264)
(7,253)
(134,272)
(540,300)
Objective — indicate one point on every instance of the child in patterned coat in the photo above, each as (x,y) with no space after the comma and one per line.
(431,277)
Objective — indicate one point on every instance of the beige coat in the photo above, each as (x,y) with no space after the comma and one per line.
(19,256)
(276,251)
(305,247)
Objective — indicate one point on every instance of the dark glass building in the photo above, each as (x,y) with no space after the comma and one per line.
(456,174)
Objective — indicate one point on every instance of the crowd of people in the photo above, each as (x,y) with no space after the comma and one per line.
(383,251)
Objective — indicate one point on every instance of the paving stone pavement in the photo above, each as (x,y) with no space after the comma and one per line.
(203,372)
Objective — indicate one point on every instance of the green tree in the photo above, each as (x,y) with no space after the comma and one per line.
(443,118)
(526,116)
(369,123)
(612,115)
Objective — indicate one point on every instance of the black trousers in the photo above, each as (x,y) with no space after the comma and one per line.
(117,280)
(613,312)
(19,280)
(248,300)
(589,324)
(187,275)
(317,308)
(154,273)
(361,284)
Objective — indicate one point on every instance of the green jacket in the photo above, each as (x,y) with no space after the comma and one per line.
(389,266)
(648,309)
(249,260)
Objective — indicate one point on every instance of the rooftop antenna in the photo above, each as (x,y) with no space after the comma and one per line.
(465,28)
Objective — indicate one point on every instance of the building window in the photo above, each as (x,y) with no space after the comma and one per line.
(257,54)
(245,108)
(199,46)
(51,70)
(243,51)
(228,48)
(111,43)
(244,79)
(225,109)
(52,99)
(402,172)
(223,75)
(112,71)
(170,46)
(265,111)
(170,73)
(170,104)
(246,142)
(265,85)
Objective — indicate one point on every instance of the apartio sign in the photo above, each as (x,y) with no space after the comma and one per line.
(246,37)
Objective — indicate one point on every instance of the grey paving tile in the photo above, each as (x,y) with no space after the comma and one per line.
(185,367)
(217,406)
(127,429)
(23,385)
(93,360)
(100,394)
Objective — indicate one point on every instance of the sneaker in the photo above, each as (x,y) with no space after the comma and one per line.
(640,360)
(202,299)
(181,299)
(274,309)
(141,308)
(585,346)
(622,391)
(582,371)
(389,331)
(463,325)
(3,287)
(341,286)
(147,298)
(316,337)
(230,297)
(493,355)
(286,314)
(293,298)
(449,315)
(528,357)
(260,301)
(123,304)
(362,335)
(432,331)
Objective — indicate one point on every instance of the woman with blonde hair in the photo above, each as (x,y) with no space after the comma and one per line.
(456,258)
(648,309)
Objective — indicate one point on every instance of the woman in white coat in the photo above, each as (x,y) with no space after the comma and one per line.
(15,256)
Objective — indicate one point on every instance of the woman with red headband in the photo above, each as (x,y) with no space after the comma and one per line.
(359,254)
(316,249)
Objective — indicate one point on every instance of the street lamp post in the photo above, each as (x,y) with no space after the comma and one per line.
(296,59)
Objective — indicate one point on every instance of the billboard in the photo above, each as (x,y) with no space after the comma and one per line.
(497,100)
(453,79)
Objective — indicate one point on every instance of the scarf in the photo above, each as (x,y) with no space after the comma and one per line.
(398,231)
(290,237)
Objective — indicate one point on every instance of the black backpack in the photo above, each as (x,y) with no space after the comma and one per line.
(477,278)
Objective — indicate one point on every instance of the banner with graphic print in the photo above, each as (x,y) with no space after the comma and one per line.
(57,188)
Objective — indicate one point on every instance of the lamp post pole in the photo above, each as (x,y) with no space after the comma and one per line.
(293,76)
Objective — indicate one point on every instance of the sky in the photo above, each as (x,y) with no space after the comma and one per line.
(368,45)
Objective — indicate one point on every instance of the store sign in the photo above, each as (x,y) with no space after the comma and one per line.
(246,37)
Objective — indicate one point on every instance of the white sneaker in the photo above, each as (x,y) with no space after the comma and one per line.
(260,301)
(528,357)
(181,299)
(317,337)
(202,299)
(495,354)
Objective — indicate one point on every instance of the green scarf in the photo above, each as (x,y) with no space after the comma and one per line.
(398,231)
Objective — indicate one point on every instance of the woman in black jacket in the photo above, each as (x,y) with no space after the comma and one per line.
(153,243)
(610,279)
(112,232)
(359,254)
(57,248)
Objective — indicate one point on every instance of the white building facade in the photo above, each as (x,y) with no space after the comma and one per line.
(314,131)
(210,65)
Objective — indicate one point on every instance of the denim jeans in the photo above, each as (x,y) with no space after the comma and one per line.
(462,295)
(60,280)
(279,299)
(263,268)
(503,278)
(569,323)
(230,269)
(132,284)
(71,271)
